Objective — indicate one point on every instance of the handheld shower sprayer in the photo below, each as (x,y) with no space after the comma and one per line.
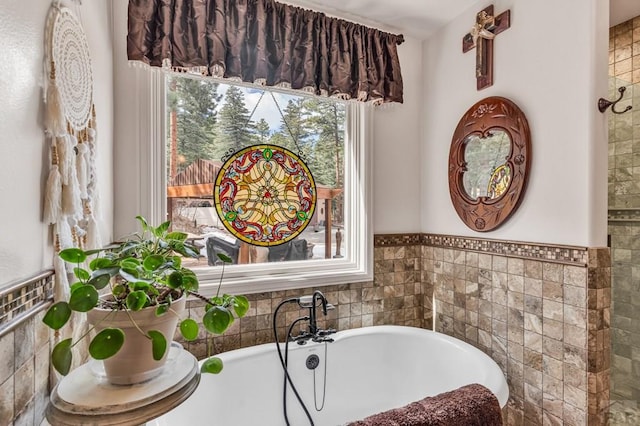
(314,334)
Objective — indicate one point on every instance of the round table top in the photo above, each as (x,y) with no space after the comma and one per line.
(86,397)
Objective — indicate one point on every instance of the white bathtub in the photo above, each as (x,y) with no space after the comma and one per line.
(368,370)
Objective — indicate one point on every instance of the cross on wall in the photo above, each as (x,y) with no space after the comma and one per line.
(481,37)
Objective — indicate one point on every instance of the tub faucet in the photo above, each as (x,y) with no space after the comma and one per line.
(311,303)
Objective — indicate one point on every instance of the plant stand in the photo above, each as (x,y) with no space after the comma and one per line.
(85,397)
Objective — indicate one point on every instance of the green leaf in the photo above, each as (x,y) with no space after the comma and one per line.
(153,262)
(93,251)
(158,344)
(141,285)
(217,319)
(161,229)
(190,281)
(99,281)
(189,329)
(185,250)
(162,309)
(175,235)
(100,263)
(57,315)
(240,305)
(82,274)
(61,357)
(143,223)
(212,365)
(75,285)
(223,257)
(112,271)
(136,300)
(83,298)
(118,290)
(175,279)
(177,262)
(107,343)
(73,255)
(129,274)
(129,263)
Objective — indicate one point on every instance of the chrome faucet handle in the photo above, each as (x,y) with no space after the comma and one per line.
(305,301)
(330,307)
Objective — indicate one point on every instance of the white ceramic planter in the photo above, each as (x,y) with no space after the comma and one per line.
(134,362)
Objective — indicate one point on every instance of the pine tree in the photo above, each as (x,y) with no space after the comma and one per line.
(262,131)
(236,129)
(327,120)
(194,103)
(294,133)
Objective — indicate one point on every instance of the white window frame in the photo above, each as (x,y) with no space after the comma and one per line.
(357,264)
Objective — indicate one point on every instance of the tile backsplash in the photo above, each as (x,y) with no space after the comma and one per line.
(541,311)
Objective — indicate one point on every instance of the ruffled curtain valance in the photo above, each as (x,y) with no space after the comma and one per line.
(268,43)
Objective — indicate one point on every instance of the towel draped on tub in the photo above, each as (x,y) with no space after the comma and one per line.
(471,405)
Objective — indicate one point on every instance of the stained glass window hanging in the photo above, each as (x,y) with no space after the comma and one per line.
(265,195)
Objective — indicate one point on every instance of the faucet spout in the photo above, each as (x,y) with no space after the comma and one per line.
(317,295)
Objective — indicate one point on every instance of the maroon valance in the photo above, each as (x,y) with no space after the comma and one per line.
(265,42)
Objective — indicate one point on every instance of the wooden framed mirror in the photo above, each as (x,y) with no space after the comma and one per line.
(489,163)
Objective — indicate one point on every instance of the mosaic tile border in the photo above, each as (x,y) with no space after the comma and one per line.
(570,255)
(624,215)
(23,299)
(396,240)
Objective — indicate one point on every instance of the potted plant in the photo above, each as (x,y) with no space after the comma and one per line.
(144,290)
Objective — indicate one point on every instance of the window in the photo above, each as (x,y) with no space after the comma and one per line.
(205,120)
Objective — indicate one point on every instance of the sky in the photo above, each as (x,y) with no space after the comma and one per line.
(267,109)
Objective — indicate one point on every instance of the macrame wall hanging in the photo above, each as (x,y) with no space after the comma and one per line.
(70,125)
(265,194)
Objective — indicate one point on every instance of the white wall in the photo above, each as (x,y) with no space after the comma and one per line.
(552,63)
(25,243)
(396,141)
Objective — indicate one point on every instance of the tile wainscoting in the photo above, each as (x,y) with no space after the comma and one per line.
(541,311)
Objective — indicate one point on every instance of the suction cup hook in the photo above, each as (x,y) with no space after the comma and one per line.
(603,104)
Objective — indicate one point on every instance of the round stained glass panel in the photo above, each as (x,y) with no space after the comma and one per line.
(265,195)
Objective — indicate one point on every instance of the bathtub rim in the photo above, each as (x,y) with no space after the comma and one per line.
(502,389)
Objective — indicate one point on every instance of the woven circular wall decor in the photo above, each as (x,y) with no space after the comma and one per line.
(70,54)
(265,195)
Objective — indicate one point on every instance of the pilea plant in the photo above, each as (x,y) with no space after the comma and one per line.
(143,272)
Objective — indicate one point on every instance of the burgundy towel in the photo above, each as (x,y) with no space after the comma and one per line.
(471,405)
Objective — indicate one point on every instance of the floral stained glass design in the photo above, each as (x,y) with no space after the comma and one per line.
(265,195)
(499,181)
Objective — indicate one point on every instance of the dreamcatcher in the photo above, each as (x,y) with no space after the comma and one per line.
(70,123)
(265,194)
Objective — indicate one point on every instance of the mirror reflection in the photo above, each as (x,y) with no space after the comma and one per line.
(488,174)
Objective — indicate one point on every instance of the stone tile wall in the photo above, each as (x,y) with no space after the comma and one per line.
(24,373)
(624,222)
(624,129)
(544,322)
(24,350)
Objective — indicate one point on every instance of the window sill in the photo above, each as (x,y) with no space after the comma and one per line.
(279,277)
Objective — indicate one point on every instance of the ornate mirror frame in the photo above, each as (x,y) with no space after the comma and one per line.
(483,214)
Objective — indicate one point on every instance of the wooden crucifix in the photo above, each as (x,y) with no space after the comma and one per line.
(481,37)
